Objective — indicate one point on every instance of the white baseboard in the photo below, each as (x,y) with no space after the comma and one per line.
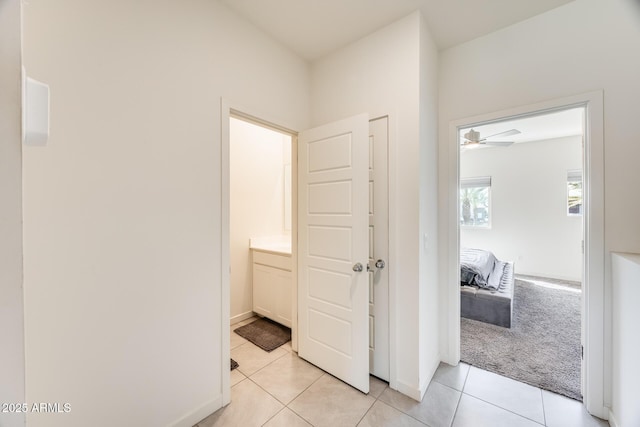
(240,317)
(423,387)
(410,391)
(612,420)
(418,393)
(550,276)
(192,418)
(427,380)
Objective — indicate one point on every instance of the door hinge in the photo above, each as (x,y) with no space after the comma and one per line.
(582,352)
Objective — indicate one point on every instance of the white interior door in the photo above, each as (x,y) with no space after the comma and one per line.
(333,200)
(378,248)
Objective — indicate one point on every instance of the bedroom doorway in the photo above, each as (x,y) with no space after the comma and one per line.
(473,207)
(521,248)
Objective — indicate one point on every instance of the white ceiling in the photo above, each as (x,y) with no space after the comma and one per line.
(536,128)
(314,28)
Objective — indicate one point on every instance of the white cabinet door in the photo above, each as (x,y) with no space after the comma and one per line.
(272,287)
(333,210)
(264,297)
(283,284)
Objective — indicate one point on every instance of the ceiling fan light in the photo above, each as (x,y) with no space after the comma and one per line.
(472,135)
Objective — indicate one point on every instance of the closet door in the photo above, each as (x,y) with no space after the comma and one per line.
(379,248)
(333,232)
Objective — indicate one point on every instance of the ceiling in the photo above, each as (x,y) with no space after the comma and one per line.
(535,128)
(314,28)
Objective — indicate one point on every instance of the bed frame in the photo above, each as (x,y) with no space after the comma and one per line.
(495,307)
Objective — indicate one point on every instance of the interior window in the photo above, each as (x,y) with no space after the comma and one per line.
(475,201)
(574,192)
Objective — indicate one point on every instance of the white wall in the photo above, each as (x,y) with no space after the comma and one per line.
(12,388)
(583,46)
(122,209)
(429,325)
(256,201)
(529,221)
(381,75)
(626,347)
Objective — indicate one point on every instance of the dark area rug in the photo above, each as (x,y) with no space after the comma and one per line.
(542,348)
(234,364)
(264,333)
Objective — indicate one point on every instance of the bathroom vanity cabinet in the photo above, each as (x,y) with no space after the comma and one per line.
(272,284)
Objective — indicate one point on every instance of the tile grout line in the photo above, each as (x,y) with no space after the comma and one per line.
(544,412)
(457,406)
(454,389)
(504,409)
(287,352)
(375,399)
(249,377)
(463,392)
(464,384)
(466,377)
(273,416)
(269,363)
(299,394)
(498,406)
(301,417)
(366,412)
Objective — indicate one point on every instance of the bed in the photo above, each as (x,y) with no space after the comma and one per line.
(486,287)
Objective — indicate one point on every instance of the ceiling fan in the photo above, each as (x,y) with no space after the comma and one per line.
(473,138)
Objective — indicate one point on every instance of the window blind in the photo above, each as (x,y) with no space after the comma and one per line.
(574,176)
(480,181)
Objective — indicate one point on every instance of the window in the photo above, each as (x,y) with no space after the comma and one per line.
(475,200)
(574,192)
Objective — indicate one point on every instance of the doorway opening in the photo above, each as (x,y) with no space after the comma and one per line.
(594,300)
(521,236)
(375,312)
(260,219)
(259,237)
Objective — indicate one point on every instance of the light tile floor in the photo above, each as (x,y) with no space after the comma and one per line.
(279,389)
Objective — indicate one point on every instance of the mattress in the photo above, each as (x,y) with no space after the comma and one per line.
(481,268)
(490,304)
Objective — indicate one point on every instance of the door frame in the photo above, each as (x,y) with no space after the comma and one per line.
(596,294)
(227,111)
(386,246)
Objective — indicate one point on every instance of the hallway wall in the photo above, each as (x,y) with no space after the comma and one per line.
(12,388)
(122,228)
(577,48)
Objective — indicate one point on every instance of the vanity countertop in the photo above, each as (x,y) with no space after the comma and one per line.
(276,244)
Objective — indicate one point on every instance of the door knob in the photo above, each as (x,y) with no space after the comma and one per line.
(375,265)
(357,267)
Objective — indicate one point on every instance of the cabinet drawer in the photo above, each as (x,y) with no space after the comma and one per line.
(282,262)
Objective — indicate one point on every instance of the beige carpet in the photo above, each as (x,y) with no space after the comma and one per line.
(542,347)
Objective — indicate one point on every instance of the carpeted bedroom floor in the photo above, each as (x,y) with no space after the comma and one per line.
(542,348)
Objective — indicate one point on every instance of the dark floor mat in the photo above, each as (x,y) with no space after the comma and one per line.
(264,333)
